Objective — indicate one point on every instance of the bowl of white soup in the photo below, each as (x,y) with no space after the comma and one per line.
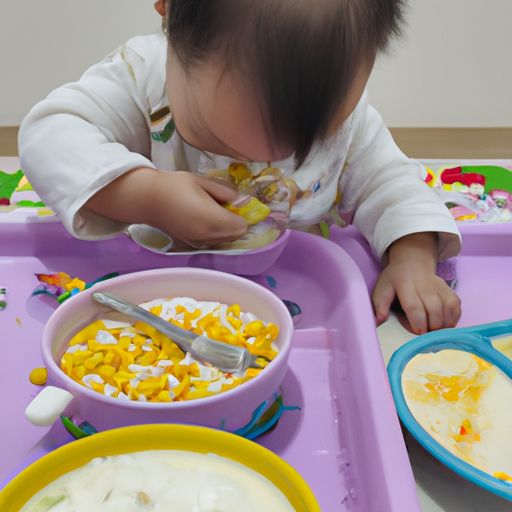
(159,467)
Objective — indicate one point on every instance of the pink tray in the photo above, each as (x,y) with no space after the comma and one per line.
(346,440)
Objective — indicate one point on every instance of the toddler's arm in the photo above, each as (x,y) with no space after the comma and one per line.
(180,203)
(86,149)
(404,220)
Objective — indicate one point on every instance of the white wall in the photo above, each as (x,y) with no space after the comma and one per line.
(45,43)
(454,67)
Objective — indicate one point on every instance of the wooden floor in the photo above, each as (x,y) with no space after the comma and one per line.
(416,142)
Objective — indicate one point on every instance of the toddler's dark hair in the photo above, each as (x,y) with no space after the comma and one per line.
(299,56)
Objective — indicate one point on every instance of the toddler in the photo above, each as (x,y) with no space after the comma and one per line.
(246,83)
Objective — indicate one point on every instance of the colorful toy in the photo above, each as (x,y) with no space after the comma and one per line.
(502,198)
(56,284)
(431,178)
(456,175)
(496,177)
(493,177)
(473,340)
(8,184)
(475,193)
(11,183)
(461,213)
(62,286)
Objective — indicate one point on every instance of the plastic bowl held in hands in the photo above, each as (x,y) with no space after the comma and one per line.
(158,437)
(242,262)
(230,410)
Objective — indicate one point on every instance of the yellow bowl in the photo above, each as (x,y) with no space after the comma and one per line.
(158,437)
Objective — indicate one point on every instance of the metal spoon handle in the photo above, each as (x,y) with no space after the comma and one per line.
(181,337)
(227,358)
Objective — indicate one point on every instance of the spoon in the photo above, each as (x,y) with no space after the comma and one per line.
(155,240)
(150,238)
(227,358)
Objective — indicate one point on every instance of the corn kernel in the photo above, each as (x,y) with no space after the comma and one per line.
(272,330)
(147,359)
(163,396)
(156,310)
(254,328)
(80,357)
(126,358)
(113,358)
(194,370)
(180,371)
(88,333)
(213,332)
(99,388)
(138,340)
(124,342)
(106,372)
(235,310)
(252,372)
(38,376)
(150,386)
(121,378)
(93,361)
(67,363)
(182,387)
(236,323)
(78,373)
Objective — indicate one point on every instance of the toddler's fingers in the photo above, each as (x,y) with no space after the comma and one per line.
(223,225)
(221,192)
(413,308)
(434,307)
(452,308)
(233,224)
(382,297)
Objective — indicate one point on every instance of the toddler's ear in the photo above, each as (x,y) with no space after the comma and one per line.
(160,7)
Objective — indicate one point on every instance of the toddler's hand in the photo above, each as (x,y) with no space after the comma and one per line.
(427,301)
(188,207)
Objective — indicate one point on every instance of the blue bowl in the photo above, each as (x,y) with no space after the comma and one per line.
(475,340)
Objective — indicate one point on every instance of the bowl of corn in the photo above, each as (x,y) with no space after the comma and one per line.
(111,371)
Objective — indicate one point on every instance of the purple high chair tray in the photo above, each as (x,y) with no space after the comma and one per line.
(345,440)
(483,275)
(483,270)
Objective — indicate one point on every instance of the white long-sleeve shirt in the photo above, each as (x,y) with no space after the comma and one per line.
(88,133)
